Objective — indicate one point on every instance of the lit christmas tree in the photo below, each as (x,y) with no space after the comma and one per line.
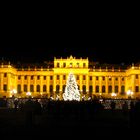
(71,90)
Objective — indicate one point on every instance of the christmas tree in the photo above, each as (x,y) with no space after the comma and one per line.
(71,90)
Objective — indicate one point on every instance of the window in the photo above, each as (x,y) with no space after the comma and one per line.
(44,77)
(116,78)
(25,88)
(57,88)
(97,78)
(51,77)
(5,74)
(18,88)
(31,88)
(103,78)
(57,77)
(84,77)
(103,89)
(109,78)
(84,65)
(25,77)
(77,77)
(51,88)
(137,88)
(137,76)
(44,88)
(38,77)
(122,89)
(64,77)
(57,65)
(38,88)
(90,78)
(5,87)
(110,89)
(19,77)
(122,78)
(97,89)
(84,89)
(116,89)
(64,88)
(90,89)
(32,77)
(64,65)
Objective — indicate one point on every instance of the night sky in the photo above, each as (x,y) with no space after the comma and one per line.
(106,36)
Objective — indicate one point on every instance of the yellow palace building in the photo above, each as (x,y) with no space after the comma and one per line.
(92,79)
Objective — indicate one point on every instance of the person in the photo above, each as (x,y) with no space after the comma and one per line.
(137,113)
(29,108)
(16,103)
(113,106)
(131,114)
(125,108)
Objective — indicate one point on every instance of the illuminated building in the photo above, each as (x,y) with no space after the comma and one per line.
(93,80)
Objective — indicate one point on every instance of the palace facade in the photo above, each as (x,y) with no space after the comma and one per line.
(92,80)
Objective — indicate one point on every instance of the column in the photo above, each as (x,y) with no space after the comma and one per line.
(87,83)
(48,84)
(61,83)
(81,77)
(100,84)
(35,78)
(8,82)
(28,83)
(54,86)
(22,83)
(106,84)
(41,84)
(94,86)
(119,84)
(1,82)
(133,83)
(113,84)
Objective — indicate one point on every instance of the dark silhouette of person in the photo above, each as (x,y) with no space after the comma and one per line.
(125,108)
(16,104)
(137,114)
(3,102)
(29,108)
(113,106)
(131,114)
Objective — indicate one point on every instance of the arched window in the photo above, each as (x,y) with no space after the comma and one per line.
(18,88)
(90,89)
(110,89)
(57,88)
(97,89)
(44,88)
(31,88)
(116,89)
(38,88)
(25,88)
(122,89)
(64,88)
(103,89)
(51,88)
(84,89)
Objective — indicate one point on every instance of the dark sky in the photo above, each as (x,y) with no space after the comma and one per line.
(104,35)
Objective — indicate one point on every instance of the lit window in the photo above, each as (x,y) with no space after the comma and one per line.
(58,65)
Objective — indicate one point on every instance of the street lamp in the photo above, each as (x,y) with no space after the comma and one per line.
(28,94)
(113,95)
(129,93)
(13,92)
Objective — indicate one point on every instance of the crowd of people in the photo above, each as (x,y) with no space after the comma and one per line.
(64,109)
